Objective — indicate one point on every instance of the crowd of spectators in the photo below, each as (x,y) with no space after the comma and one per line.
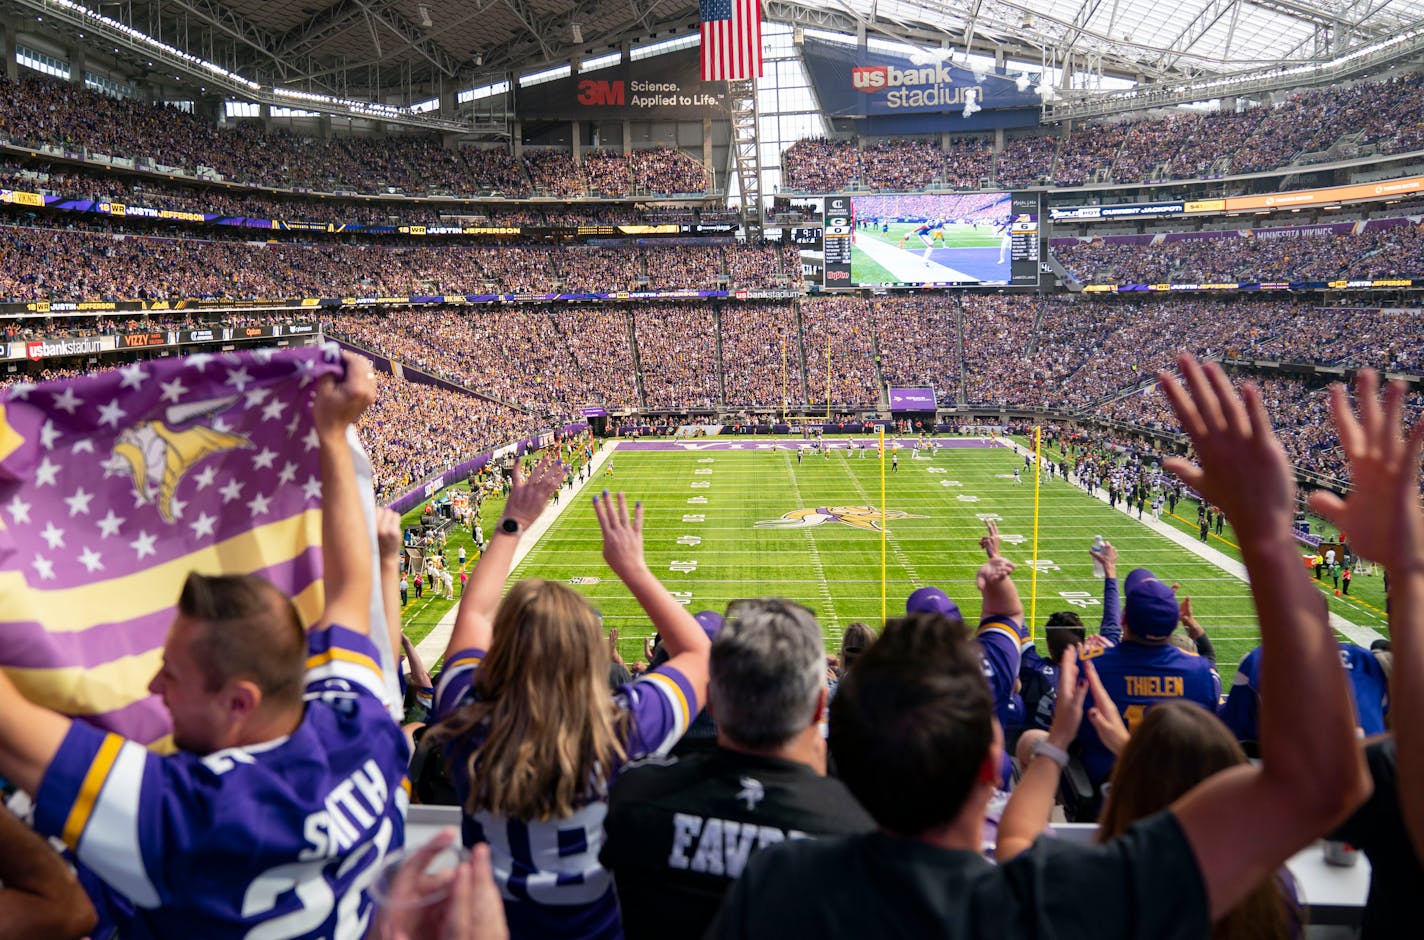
(761,355)
(837,334)
(914,334)
(677,355)
(1310,126)
(42,110)
(1309,253)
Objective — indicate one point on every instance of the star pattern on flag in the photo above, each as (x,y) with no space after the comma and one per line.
(44,568)
(143,546)
(263,461)
(259,505)
(204,525)
(111,414)
(90,559)
(173,391)
(48,435)
(53,535)
(79,501)
(67,401)
(109,525)
(231,491)
(205,477)
(46,472)
(133,376)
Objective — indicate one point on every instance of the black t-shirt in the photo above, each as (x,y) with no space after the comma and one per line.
(680,831)
(1145,884)
(1377,829)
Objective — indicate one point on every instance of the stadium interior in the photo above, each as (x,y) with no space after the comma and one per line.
(537,220)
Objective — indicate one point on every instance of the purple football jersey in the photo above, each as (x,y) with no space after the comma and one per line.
(277,840)
(548,872)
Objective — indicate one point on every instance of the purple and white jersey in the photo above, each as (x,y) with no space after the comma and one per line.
(999,639)
(277,840)
(548,872)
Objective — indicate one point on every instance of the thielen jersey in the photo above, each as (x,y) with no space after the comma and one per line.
(548,871)
(278,840)
(1369,692)
(1137,676)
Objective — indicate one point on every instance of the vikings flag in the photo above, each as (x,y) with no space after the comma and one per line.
(113,487)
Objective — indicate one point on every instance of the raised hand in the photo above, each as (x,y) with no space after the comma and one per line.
(1382,513)
(990,541)
(529,495)
(996,569)
(1103,713)
(622,534)
(1240,466)
(339,402)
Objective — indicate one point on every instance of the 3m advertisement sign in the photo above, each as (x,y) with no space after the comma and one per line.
(665,86)
(860,83)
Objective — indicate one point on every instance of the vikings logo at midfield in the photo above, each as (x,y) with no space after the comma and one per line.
(858,517)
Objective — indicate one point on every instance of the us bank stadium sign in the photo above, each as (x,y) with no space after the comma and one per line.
(854,82)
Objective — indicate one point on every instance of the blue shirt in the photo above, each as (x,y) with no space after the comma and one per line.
(275,839)
(1137,676)
(1369,692)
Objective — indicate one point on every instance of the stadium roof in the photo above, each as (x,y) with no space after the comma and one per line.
(413,49)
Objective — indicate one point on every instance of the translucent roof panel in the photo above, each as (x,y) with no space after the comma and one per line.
(1197,37)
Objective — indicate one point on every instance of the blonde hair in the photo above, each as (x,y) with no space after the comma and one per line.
(551,732)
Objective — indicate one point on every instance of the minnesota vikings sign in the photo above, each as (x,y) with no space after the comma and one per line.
(857,517)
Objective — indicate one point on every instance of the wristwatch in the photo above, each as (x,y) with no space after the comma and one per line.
(1052,751)
(509,526)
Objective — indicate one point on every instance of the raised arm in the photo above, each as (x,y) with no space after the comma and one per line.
(39,895)
(388,540)
(1244,823)
(528,498)
(1111,625)
(1000,598)
(687,645)
(1026,814)
(345,545)
(1383,517)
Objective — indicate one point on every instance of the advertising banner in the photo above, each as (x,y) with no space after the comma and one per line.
(912,399)
(858,83)
(665,87)
(595,411)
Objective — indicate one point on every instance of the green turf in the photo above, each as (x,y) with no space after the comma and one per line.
(834,568)
(865,270)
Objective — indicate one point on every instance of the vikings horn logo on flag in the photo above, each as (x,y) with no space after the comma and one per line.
(857,517)
(114,486)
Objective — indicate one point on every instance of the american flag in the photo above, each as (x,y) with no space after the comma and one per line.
(114,486)
(731,39)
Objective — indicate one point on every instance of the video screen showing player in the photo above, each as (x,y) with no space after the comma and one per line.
(958,238)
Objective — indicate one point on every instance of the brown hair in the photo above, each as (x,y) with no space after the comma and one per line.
(854,642)
(248,630)
(1177,746)
(552,734)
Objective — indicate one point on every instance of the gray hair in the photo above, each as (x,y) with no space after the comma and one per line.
(768,669)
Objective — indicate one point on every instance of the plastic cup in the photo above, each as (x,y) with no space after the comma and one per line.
(411,880)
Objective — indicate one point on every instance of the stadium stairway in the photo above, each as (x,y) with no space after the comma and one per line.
(433,646)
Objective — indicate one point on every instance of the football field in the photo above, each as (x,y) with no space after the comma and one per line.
(726,523)
(735,518)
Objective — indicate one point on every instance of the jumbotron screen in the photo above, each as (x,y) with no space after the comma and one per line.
(930,240)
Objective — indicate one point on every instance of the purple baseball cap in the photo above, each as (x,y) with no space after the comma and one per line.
(931,600)
(1150,607)
(710,621)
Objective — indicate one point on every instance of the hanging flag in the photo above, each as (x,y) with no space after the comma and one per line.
(114,486)
(731,39)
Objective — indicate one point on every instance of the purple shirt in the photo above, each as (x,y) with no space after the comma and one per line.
(548,871)
(287,834)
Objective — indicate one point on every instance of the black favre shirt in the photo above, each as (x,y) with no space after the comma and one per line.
(679,832)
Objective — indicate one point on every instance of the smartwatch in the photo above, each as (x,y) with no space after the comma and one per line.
(1052,752)
(509,526)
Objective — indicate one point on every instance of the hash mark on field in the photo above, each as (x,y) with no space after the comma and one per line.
(828,606)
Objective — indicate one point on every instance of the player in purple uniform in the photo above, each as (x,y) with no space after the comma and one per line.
(287,791)
(534,736)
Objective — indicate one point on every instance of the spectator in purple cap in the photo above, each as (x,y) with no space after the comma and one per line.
(1001,629)
(710,621)
(681,829)
(1145,668)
